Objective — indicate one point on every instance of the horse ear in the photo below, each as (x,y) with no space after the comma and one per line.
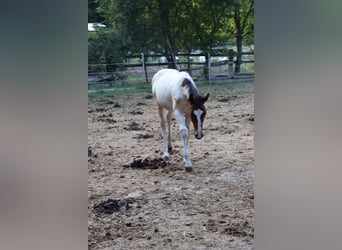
(205,98)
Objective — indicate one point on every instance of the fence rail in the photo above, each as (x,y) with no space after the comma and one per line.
(140,69)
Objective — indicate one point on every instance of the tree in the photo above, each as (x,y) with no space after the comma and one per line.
(93,15)
(243,26)
(168,26)
(134,21)
(105,47)
(173,26)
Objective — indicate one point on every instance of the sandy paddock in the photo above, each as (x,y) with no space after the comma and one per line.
(138,201)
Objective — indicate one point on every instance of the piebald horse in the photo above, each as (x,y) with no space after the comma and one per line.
(177,93)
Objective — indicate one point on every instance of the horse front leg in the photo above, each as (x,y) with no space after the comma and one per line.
(185,136)
(162,125)
(168,119)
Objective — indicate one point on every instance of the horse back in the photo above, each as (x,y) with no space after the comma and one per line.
(168,88)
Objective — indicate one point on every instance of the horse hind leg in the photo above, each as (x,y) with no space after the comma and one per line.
(187,124)
(168,119)
(163,127)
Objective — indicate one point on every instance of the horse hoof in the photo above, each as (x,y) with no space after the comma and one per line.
(188,169)
(166,158)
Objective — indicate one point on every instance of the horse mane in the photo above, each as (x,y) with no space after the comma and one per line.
(193,93)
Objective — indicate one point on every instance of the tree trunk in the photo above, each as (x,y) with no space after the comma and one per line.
(146,76)
(206,69)
(165,23)
(173,62)
(239,53)
(189,63)
(239,37)
(240,19)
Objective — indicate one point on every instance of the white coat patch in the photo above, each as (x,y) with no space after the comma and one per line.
(198,114)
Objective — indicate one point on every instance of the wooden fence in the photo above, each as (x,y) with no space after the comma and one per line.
(141,68)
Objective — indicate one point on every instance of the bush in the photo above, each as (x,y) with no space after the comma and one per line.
(105,47)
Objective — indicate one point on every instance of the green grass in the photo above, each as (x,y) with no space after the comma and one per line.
(120,91)
(247,68)
(226,88)
(215,88)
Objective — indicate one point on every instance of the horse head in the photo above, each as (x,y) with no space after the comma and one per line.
(198,112)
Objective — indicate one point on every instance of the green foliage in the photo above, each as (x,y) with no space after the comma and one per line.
(93,14)
(207,21)
(170,26)
(105,46)
(242,21)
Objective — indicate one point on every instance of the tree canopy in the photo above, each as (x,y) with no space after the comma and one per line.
(173,26)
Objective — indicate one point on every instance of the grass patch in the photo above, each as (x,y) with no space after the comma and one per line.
(214,88)
(226,87)
(119,91)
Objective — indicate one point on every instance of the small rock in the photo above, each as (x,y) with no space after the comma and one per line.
(134,195)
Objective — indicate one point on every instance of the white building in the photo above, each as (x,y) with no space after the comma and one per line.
(94,26)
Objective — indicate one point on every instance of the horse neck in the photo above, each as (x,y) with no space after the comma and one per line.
(193,90)
(195,97)
(191,87)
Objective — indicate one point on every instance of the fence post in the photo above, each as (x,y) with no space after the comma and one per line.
(143,67)
(230,68)
(209,68)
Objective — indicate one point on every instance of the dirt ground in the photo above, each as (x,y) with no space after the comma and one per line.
(138,201)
